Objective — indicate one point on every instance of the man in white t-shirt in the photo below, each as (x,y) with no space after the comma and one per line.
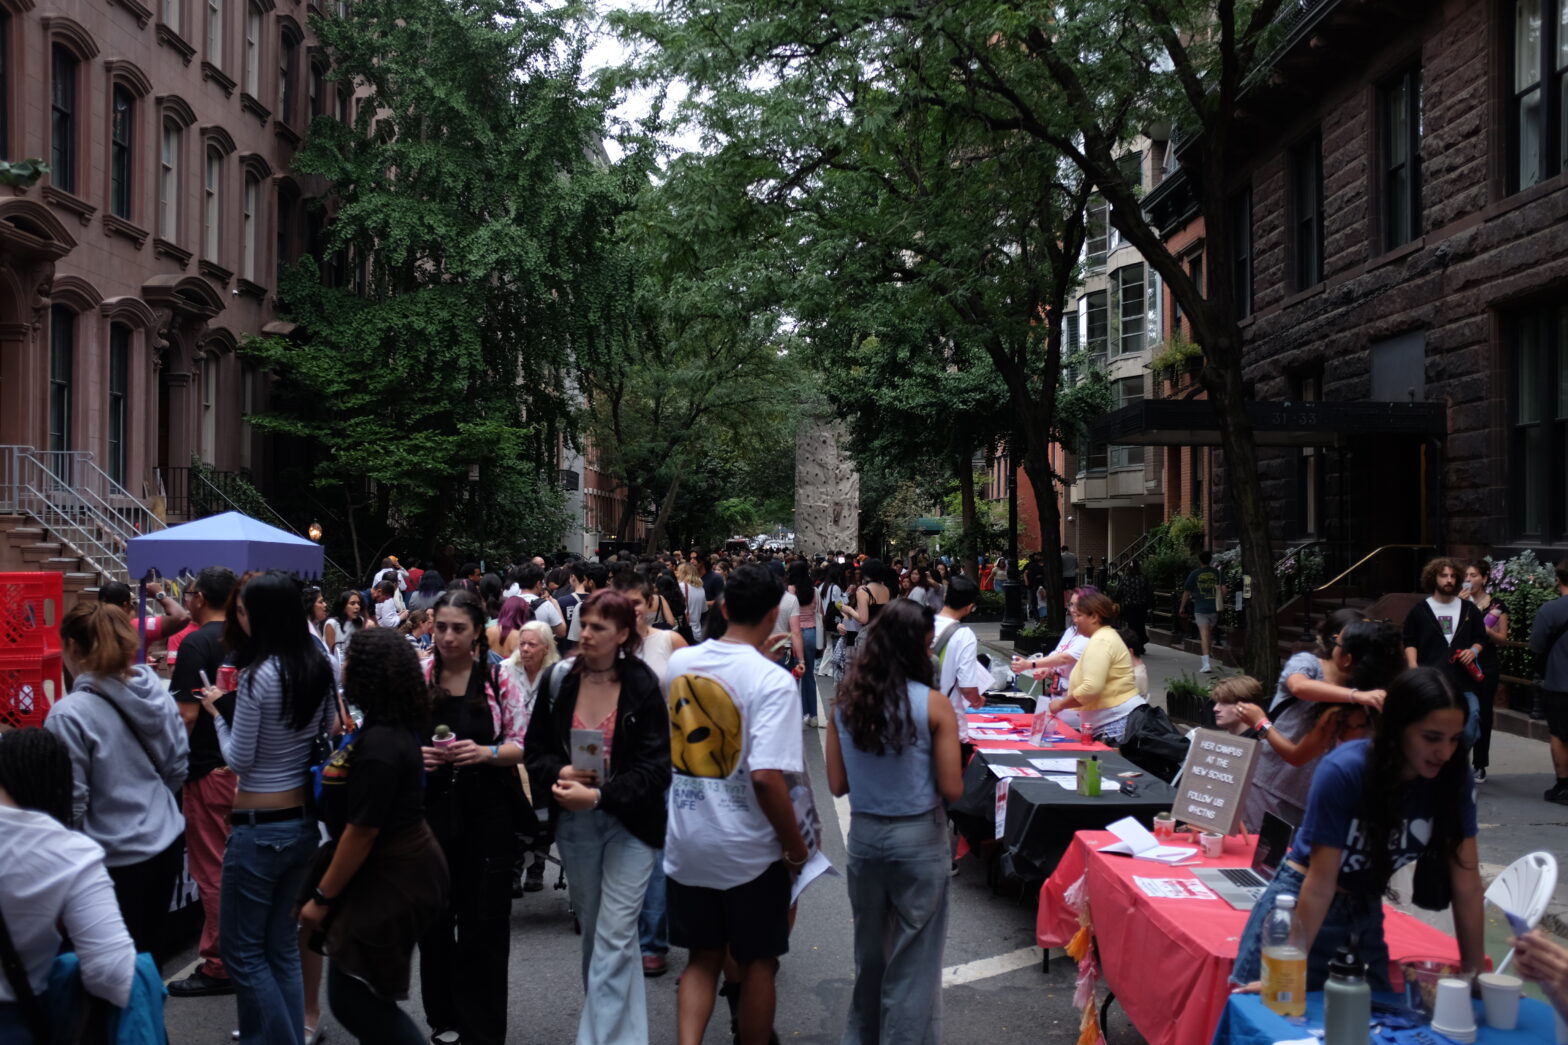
(384,595)
(734,845)
(531,582)
(964,679)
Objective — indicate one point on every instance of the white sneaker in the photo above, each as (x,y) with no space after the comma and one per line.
(1206,669)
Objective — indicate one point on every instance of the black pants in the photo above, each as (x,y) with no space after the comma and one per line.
(366,1016)
(1486,693)
(463,958)
(144,891)
(1137,618)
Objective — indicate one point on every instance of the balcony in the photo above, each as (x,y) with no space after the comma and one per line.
(1126,487)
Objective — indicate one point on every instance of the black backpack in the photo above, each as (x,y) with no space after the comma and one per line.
(1152,744)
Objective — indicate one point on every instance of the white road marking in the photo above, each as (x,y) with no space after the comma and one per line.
(984,968)
(840,802)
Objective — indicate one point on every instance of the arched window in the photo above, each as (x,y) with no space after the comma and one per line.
(62,366)
(62,113)
(121,138)
(119,394)
(212,204)
(169,182)
(249,217)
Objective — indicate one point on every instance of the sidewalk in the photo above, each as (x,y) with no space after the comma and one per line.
(1513,818)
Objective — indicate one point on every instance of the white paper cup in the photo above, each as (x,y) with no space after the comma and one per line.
(1500,994)
(1452,1014)
(1213,844)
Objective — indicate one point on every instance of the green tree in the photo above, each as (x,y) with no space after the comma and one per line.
(471,221)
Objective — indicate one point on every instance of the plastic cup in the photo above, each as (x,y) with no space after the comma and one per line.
(1452,1014)
(1213,844)
(1500,994)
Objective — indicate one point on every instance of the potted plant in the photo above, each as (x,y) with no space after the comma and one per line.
(1186,698)
(1036,637)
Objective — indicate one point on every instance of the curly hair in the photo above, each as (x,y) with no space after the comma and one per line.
(1430,571)
(35,770)
(893,651)
(381,674)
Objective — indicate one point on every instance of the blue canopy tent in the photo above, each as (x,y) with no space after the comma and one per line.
(232,539)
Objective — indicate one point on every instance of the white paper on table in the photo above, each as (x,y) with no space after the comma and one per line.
(1066,783)
(1174,888)
(1010,771)
(1055,765)
(1136,841)
(816,866)
(996,750)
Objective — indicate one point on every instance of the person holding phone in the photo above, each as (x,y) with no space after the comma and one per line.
(609,826)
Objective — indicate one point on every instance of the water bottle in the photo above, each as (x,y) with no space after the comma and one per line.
(1347,1000)
(1284,959)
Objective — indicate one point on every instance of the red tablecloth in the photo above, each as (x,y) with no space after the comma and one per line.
(1169,961)
(1020,740)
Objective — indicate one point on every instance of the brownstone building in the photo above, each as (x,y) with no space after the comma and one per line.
(129,274)
(1404,187)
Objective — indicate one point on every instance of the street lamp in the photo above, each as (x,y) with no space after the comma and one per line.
(314,532)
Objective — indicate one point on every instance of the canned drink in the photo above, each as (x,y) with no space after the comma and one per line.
(228,678)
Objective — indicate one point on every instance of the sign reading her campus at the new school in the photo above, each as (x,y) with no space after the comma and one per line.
(1214,780)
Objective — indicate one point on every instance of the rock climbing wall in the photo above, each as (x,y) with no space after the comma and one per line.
(827,490)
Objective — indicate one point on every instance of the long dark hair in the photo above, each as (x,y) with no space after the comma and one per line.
(35,770)
(1376,650)
(1413,695)
(274,609)
(800,581)
(874,696)
(340,608)
(479,674)
(382,675)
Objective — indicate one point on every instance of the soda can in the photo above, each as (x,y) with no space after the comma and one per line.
(228,678)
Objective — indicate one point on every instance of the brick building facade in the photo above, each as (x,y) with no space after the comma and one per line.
(1404,170)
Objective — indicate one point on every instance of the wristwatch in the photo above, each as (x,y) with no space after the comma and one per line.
(320,897)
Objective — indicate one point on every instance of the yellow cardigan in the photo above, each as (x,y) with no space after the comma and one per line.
(1103,677)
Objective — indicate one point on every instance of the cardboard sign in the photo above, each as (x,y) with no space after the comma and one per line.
(1214,780)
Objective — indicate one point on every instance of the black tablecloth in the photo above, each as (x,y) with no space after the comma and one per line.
(1042,816)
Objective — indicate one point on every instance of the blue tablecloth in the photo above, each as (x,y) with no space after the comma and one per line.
(1247,1022)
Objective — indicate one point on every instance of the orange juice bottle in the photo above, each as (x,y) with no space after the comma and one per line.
(1284,960)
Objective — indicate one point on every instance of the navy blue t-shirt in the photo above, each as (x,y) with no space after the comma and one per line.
(1333,817)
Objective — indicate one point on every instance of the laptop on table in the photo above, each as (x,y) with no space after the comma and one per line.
(1241,887)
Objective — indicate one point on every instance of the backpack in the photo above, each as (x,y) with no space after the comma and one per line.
(1152,744)
(939,648)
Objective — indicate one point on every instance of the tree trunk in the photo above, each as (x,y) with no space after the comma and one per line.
(353,535)
(966,499)
(656,535)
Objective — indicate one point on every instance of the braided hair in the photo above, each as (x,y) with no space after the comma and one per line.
(35,770)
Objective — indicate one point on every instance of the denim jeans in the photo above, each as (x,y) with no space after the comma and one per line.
(653,925)
(1347,916)
(808,681)
(264,866)
(607,871)
(898,885)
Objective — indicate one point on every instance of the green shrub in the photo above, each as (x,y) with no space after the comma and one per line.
(1185,685)
(1166,568)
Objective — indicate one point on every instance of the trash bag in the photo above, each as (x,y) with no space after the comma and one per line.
(1152,744)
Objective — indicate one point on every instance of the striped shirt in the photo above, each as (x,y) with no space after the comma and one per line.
(267,753)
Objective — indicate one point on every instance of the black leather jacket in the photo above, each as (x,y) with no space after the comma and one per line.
(639,757)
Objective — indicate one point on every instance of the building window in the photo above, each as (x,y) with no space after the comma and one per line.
(171,14)
(119,392)
(169,184)
(1539,99)
(1125,392)
(317,89)
(1306,182)
(120,139)
(1097,320)
(62,112)
(288,68)
(247,407)
(1070,339)
(1539,458)
(285,231)
(1241,252)
(5,83)
(1400,102)
(248,224)
(62,363)
(209,410)
(253,22)
(1127,296)
(343,105)
(212,204)
(215,32)
(1097,234)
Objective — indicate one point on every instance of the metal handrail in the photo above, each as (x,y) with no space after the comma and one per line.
(81,473)
(281,521)
(31,488)
(1368,557)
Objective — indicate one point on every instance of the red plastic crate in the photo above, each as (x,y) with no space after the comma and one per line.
(29,686)
(31,606)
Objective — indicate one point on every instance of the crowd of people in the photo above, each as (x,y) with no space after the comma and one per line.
(354,780)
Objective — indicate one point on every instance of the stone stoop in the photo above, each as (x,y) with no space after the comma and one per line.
(25,547)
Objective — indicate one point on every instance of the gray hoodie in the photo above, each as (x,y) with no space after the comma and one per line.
(119,799)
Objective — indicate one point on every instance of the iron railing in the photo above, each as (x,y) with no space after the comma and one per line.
(194,493)
(76,503)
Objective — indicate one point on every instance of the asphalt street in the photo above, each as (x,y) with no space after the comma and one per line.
(995,991)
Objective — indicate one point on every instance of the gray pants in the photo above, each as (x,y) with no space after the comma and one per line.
(898,880)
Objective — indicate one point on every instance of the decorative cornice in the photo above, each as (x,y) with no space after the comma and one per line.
(141,12)
(59,27)
(216,135)
(170,38)
(187,296)
(219,339)
(176,108)
(124,71)
(286,134)
(163,248)
(131,310)
(255,163)
(219,77)
(212,270)
(114,225)
(255,108)
(250,289)
(74,292)
(83,210)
